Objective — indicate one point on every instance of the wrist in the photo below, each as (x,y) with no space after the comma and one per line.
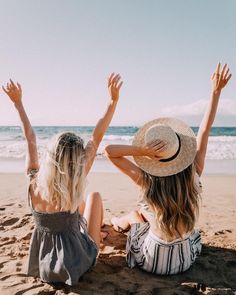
(18,104)
(142,150)
(216,91)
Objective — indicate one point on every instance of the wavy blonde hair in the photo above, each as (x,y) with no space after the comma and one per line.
(174,200)
(61,176)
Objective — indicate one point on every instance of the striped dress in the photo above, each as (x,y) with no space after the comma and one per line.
(147,251)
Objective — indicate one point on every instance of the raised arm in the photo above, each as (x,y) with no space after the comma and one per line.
(114,85)
(15,94)
(219,81)
(117,154)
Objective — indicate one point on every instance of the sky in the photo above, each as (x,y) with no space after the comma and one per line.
(61,51)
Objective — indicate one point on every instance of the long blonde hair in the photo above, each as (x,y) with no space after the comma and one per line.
(61,176)
(174,200)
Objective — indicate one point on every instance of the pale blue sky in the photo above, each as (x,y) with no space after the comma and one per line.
(61,51)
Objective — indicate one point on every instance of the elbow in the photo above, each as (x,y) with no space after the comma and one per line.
(112,152)
(199,166)
(108,150)
(200,170)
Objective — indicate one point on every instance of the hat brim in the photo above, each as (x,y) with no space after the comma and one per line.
(184,158)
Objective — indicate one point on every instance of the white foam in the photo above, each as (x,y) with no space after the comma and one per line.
(219,147)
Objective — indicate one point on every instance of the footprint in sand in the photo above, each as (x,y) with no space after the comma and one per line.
(2,264)
(10,221)
(7,241)
(3,208)
(19,264)
(11,204)
(10,276)
(28,214)
(222,232)
(24,220)
(26,237)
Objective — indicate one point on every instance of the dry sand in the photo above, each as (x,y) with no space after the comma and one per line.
(213,273)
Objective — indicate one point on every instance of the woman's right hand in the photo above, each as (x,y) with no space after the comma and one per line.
(13,91)
(114,86)
(154,149)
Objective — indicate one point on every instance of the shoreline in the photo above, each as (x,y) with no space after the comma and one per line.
(212,167)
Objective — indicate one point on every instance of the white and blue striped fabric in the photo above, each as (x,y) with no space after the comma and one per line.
(147,251)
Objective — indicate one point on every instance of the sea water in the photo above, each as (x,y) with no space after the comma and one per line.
(220,157)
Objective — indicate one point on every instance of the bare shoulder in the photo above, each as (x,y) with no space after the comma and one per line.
(39,204)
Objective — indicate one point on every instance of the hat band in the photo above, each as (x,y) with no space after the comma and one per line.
(175,155)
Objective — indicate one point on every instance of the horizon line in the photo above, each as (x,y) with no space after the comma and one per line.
(92,126)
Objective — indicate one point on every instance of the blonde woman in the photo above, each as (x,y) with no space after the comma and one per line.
(64,245)
(169,160)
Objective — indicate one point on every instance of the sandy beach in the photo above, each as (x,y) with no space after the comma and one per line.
(213,273)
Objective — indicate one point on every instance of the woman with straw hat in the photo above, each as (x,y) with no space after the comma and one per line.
(169,160)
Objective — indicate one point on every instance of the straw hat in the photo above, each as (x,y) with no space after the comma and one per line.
(180,146)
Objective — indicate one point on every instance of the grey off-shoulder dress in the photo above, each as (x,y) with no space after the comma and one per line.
(60,249)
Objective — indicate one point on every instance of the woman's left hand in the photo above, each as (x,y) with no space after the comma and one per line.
(220,78)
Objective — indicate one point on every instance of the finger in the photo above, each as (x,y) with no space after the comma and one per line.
(114,78)
(157,143)
(158,157)
(117,80)
(163,148)
(213,76)
(4,89)
(217,71)
(19,86)
(12,84)
(226,74)
(160,147)
(119,85)
(223,71)
(110,78)
(154,143)
(228,78)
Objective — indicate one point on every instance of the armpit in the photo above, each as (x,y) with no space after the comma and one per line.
(32,173)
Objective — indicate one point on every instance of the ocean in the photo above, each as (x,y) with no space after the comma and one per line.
(221,147)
